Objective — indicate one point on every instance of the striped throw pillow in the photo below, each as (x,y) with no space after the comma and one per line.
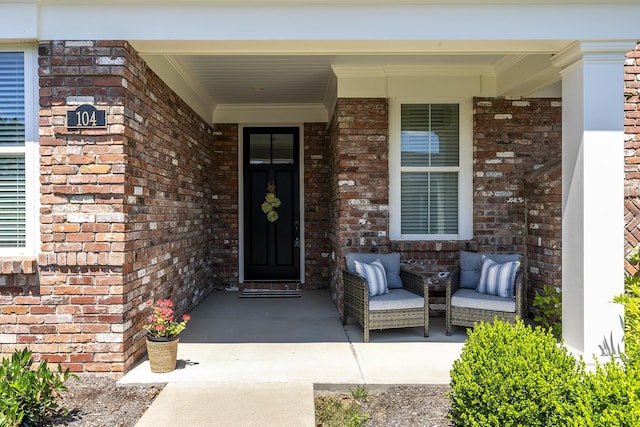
(374,275)
(497,279)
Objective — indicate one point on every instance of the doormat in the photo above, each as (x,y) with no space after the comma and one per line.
(270,293)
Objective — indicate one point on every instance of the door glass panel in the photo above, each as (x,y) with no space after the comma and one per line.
(282,148)
(260,149)
(265,149)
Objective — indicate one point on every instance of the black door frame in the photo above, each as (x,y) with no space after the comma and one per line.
(298,196)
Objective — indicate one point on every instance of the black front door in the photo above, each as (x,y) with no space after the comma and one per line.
(271,204)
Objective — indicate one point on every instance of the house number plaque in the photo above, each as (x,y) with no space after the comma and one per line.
(87,116)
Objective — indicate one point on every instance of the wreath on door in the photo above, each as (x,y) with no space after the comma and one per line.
(271,202)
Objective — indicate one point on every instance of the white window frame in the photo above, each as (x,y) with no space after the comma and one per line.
(30,150)
(465,170)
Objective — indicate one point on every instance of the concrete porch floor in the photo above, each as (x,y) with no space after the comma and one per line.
(273,352)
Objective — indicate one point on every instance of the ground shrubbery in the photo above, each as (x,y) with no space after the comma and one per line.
(515,375)
(610,396)
(28,395)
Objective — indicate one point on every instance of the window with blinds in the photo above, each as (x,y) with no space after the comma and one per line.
(429,169)
(12,151)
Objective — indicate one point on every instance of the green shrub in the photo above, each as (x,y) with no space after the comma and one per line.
(549,305)
(631,301)
(610,396)
(513,375)
(28,395)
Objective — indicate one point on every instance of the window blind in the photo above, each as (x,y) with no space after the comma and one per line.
(12,163)
(12,111)
(12,202)
(429,203)
(429,163)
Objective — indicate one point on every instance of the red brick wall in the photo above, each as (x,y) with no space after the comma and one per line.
(179,202)
(225,234)
(148,208)
(359,182)
(144,209)
(632,153)
(75,315)
(514,140)
(511,139)
(543,198)
(316,205)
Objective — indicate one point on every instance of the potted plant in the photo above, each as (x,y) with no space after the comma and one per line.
(163,335)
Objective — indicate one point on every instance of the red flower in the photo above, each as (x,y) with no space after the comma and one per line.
(161,321)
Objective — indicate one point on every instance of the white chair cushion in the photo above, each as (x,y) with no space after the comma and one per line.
(375,276)
(396,299)
(469,298)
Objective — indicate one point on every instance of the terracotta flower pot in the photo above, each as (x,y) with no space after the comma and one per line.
(163,353)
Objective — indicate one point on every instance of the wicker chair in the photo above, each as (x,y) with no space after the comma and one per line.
(357,304)
(481,307)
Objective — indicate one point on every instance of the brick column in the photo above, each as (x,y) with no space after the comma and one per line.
(144,209)
(316,205)
(82,214)
(360,181)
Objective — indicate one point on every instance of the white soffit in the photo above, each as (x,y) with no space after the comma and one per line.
(270,113)
(18,21)
(325,2)
(296,79)
(346,47)
(523,75)
(336,21)
(184,83)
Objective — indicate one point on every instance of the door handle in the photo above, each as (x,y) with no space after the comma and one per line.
(296,234)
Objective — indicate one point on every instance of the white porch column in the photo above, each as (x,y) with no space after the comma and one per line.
(592,192)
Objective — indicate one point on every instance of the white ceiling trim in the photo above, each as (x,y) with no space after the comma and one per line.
(191,80)
(437,70)
(344,71)
(270,113)
(331,94)
(183,82)
(522,75)
(507,62)
(364,71)
(324,2)
(397,21)
(346,47)
(602,49)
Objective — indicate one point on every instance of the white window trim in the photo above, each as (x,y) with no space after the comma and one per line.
(465,177)
(31,151)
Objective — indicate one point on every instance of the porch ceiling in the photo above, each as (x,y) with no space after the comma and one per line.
(297,79)
(209,75)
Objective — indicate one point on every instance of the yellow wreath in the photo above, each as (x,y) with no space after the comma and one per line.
(271,203)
